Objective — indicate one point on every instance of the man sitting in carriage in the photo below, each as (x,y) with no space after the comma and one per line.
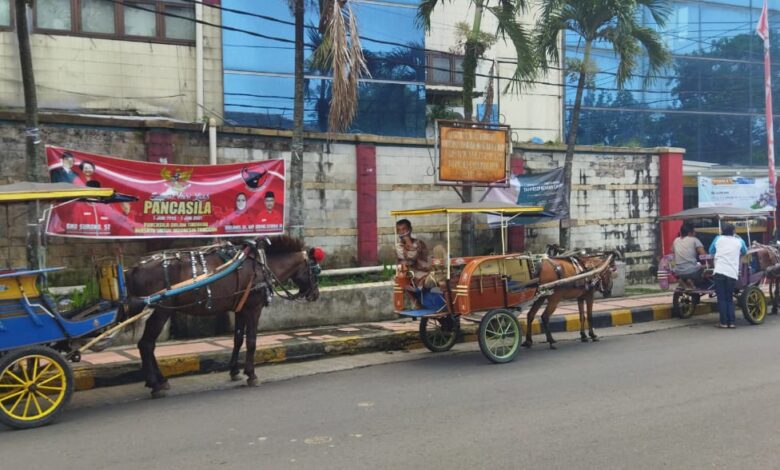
(687,249)
(412,253)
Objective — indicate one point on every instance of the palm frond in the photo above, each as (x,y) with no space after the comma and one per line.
(658,55)
(347,63)
(527,60)
(424,12)
(658,9)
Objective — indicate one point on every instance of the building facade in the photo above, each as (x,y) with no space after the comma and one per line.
(709,101)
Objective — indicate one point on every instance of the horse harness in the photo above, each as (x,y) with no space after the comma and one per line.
(266,280)
(579,268)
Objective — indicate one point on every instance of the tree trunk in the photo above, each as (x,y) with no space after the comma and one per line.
(571,139)
(31,123)
(471,56)
(296,159)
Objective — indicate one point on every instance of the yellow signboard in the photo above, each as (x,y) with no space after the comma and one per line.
(473,154)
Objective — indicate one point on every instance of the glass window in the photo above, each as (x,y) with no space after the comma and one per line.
(180,28)
(440,69)
(458,70)
(97,16)
(53,14)
(140,22)
(5,13)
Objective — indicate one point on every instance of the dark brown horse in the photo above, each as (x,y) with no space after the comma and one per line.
(269,263)
(554,269)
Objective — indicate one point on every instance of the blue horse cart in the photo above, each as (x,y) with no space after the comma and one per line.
(36,340)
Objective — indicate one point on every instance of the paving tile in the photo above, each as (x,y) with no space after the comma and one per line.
(179,349)
(106,357)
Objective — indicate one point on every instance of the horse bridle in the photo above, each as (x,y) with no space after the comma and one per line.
(276,287)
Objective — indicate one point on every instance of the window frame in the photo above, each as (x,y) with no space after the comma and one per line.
(12,23)
(119,34)
(454,72)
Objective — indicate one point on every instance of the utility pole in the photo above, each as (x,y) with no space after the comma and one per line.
(296,157)
(31,132)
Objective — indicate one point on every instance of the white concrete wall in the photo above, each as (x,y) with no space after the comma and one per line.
(614,199)
(106,75)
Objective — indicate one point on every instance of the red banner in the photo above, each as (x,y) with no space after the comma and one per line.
(174,201)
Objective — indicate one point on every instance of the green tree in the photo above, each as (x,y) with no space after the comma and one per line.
(602,22)
(475,43)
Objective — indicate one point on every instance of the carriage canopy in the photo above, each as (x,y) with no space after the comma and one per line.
(495,208)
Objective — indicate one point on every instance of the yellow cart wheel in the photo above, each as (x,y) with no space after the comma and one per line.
(753,304)
(35,385)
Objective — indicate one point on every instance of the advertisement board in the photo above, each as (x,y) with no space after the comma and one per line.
(736,191)
(472,153)
(174,201)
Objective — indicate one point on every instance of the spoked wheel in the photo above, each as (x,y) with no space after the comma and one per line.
(753,305)
(684,304)
(499,335)
(439,334)
(35,385)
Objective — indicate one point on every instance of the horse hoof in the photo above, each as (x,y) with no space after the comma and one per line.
(595,339)
(235,377)
(584,339)
(159,393)
(526,344)
(552,346)
(252,382)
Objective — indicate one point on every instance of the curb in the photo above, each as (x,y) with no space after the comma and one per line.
(89,376)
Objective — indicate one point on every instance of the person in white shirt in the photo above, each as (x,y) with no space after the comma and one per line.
(727,249)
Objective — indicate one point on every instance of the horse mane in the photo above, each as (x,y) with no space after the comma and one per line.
(282,244)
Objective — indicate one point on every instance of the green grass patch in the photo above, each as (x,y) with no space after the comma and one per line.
(643,290)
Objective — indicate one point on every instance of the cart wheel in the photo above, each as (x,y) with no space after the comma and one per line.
(439,334)
(753,305)
(35,385)
(684,304)
(499,335)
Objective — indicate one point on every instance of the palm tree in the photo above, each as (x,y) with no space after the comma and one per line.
(475,43)
(339,52)
(606,22)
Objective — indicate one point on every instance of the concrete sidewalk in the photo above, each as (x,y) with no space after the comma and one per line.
(121,365)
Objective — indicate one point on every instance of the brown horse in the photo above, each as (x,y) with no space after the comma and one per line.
(245,291)
(554,269)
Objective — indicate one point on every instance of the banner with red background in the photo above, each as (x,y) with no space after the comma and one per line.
(174,201)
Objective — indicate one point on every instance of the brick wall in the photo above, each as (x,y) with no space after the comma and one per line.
(614,199)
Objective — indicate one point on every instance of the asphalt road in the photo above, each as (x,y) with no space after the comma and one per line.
(684,397)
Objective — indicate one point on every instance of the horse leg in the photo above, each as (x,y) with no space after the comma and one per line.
(529,320)
(581,310)
(551,305)
(591,333)
(149,367)
(238,341)
(252,320)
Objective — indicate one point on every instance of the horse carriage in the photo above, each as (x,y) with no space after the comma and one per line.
(488,290)
(756,268)
(37,340)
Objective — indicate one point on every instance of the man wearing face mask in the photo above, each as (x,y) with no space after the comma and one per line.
(412,253)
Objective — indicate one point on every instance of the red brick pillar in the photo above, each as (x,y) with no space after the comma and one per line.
(670,194)
(159,146)
(516,242)
(367,240)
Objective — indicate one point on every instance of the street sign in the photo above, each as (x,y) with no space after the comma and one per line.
(472,154)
